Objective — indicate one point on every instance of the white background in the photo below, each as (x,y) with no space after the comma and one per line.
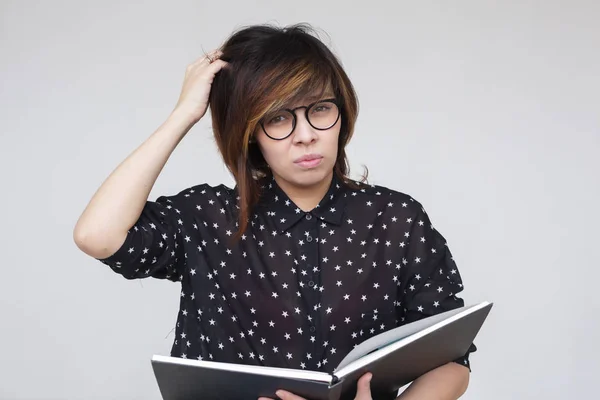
(487,112)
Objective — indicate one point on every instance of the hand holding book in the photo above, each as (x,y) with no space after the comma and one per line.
(363,390)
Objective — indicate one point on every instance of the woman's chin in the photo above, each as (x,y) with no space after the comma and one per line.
(311,177)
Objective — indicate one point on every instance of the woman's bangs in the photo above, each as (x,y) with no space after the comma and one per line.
(305,85)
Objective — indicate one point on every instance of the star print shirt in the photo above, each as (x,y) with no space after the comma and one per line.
(299,289)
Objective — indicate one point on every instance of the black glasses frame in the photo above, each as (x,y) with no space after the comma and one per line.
(307,107)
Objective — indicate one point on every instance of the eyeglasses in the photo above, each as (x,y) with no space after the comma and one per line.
(321,115)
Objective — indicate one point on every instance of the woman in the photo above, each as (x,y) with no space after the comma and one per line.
(297,263)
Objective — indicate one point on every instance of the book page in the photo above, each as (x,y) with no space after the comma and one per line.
(249,369)
(393,335)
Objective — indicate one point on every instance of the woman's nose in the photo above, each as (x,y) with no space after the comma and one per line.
(303,132)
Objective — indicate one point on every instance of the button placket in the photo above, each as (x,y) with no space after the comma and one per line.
(313,268)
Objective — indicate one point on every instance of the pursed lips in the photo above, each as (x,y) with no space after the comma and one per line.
(309,160)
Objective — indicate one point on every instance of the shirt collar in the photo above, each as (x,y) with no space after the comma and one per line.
(285,213)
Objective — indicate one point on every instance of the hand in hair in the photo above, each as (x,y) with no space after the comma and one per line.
(199,75)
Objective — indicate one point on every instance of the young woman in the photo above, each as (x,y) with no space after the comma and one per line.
(297,263)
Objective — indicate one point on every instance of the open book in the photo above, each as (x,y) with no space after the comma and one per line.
(395,357)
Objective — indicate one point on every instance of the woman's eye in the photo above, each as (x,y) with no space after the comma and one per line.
(321,108)
(276,119)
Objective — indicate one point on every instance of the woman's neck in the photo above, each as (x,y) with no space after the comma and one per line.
(305,197)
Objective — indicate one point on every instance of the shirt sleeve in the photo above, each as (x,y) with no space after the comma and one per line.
(431,277)
(153,246)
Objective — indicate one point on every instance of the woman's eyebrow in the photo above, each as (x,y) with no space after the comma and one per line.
(324,96)
(316,97)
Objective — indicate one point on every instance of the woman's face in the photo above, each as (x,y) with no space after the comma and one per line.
(307,156)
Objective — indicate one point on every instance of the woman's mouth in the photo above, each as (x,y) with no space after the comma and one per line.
(309,161)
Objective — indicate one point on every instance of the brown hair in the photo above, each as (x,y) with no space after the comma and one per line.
(270,67)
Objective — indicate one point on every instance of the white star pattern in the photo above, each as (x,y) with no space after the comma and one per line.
(364,260)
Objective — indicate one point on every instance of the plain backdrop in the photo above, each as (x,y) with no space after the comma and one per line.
(487,112)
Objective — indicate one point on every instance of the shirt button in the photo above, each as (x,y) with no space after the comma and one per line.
(312,329)
(308,216)
(311,284)
(309,238)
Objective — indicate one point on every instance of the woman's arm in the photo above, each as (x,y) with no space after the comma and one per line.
(447,382)
(118,203)
(432,282)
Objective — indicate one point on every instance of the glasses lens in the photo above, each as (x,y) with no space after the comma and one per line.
(279,125)
(323,115)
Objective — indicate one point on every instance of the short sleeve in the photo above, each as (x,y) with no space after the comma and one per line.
(431,277)
(153,246)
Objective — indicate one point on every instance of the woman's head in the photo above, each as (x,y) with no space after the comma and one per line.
(254,102)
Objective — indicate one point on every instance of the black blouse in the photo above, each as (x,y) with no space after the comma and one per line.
(299,289)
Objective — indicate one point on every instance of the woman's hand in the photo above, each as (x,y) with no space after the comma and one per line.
(363,390)
(199,75)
